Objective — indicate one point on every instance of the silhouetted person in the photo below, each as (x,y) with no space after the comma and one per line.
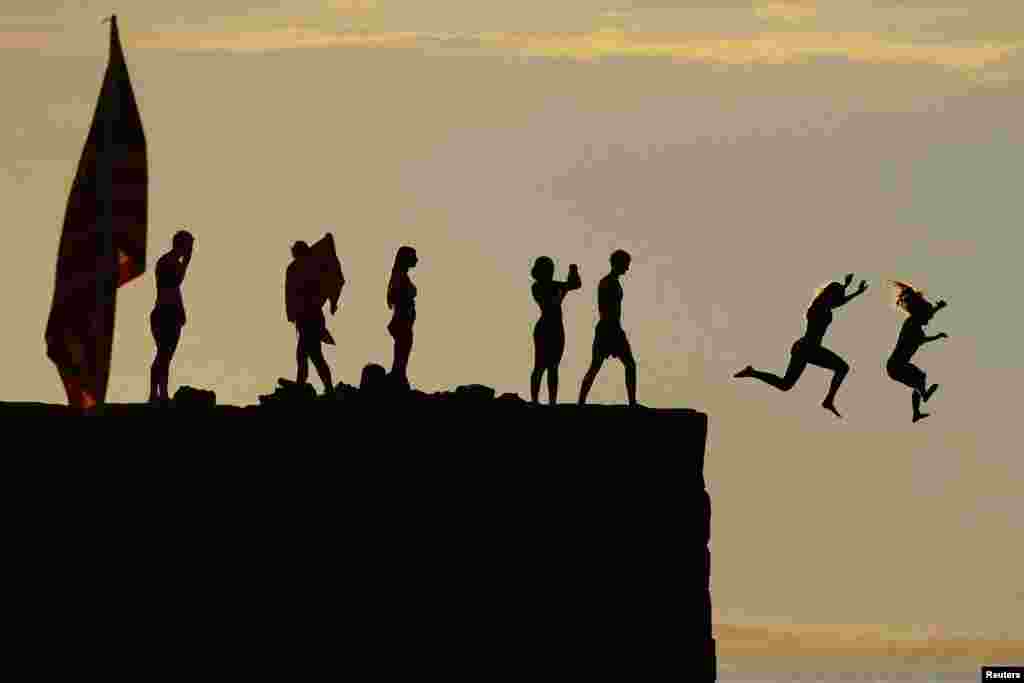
(304,308)
(809,349)
(168,315)
(549,332)
(402,301)
(609,337)
(912,337)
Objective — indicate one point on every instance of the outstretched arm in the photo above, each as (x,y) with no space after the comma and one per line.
(939,306)
(861,288)
(940,335)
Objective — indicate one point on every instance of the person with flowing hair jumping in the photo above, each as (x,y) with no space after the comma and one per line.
(919,313)
(809,349)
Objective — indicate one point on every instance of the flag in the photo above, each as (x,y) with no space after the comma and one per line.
(103,240)
(328,269)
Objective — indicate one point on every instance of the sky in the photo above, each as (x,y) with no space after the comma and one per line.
(744,153)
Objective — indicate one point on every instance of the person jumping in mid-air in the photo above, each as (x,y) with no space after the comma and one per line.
(609,337)
(919,312)
(809,349)
(549,332)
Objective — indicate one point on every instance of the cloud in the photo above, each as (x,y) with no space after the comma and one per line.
(353,6)
(792,11)
(987,61)
(24,40)
(928,640)
(292,37)
(781,48)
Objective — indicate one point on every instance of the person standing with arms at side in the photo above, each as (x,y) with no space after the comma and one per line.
(168,315)
(401,300)
(609,337)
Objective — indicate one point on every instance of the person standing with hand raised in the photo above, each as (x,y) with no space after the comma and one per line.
(549,332)
(168,315)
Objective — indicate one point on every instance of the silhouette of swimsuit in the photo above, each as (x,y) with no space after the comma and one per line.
(168,316)
(899,366)
(549,331)
(609,337)
(819,318)
(404,307)
(610,340)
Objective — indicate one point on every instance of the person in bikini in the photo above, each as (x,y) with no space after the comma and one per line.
(809,348)
(919,313)
(168,315)
(549,332)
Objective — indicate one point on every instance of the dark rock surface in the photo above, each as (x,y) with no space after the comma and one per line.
(452,534)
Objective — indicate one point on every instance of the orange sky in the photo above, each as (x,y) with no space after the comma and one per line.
(743,153)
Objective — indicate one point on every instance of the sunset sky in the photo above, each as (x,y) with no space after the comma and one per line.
(745,153)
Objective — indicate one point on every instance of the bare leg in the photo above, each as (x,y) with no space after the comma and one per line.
(159,372)
(535,378)
(916,402)
(302,363)
(588,379)
(824,358)
(154,380)
(553,385)
(165,372)
(403,348)
(793,372)
(172,346)
(915,378)
(909,375)
(322,369)
(630,364)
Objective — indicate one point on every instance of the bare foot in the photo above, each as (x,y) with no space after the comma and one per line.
(928,394)
(827,405)
(921,416)
(745,372)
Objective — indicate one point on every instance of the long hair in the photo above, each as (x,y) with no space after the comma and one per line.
(402,258)
(824,291)
(908,299)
